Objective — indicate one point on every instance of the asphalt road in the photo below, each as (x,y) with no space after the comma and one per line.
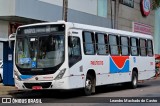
(104,96)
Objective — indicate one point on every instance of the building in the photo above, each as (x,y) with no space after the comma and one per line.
(130,13)
(157,31)
(93,12)
(18,12)
(134,16)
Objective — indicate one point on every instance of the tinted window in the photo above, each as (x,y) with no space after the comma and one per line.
(134,46)
(102,47)
(124,46)
(88,41)
(113,42)
(149,48)
(142,44)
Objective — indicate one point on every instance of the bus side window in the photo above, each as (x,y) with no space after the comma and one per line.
(142,47)
(88,43)
(74,50)
(101,44)
(113,44)
(149,48)
(134,46)
(124,45)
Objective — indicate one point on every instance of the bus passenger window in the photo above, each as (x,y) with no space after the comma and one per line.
(88,42)
(149,48)
(142,46)
(102,46)
(74,50)
(134,46)
(113,43)
(124,46)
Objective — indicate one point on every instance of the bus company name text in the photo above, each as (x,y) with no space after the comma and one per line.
(96,62)
(17,100)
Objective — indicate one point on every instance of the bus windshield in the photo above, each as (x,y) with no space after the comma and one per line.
(44,51)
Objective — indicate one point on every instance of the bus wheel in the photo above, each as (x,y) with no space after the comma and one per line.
(0,78)
(134,81)
(89,84)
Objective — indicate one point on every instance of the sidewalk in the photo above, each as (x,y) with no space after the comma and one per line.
(5,90)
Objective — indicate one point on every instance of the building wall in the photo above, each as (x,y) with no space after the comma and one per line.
(79,5)
(34,9)
(3,34)
(7,7)
(157,31)
(51,10)
(127,15)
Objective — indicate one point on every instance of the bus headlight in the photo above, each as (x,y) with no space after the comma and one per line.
(16,75)
(60,75)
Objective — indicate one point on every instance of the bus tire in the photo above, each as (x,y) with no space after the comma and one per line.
(134,81)
(89,84)
(1,78)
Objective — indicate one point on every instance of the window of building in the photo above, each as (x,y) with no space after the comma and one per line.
(88,42)
(113,43)
(124,46)
(102,8)
(149,48)
(74,50)
(134,46)
(102,46)
(129,3)
(142,45)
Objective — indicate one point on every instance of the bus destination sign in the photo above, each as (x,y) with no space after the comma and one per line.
(41,29)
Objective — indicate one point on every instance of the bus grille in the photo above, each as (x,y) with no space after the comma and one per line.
(43,85)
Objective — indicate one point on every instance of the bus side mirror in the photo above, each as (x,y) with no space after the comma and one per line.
(11,39)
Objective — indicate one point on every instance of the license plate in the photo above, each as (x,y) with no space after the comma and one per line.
(37,87)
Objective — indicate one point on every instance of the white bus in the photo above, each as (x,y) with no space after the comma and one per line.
(64,55)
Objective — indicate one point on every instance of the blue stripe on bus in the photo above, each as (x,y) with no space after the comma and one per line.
(23,77)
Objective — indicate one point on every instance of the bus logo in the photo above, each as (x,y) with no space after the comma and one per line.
(119,64)
(36,78)
(6,100)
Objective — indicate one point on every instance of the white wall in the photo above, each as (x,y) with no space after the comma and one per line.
(3,34)
(7,7)
(3,29)
(87,6)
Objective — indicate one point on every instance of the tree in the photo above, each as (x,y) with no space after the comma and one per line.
(155,4)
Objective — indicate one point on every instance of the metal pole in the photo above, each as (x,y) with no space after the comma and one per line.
(115,13)
(111,15)
(65,10)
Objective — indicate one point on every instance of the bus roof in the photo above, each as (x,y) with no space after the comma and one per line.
(111,31)
(72,25)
